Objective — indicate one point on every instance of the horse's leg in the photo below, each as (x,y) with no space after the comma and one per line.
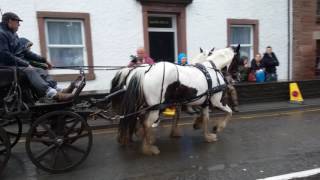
(209,137)
(197,124)
(148,139)
(221,124)
(175,130)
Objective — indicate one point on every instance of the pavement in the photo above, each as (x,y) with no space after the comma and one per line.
(252,108)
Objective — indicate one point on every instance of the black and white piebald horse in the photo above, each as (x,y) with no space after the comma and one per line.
(167,83)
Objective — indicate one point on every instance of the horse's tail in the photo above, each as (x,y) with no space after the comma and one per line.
(133,100)
(117,83)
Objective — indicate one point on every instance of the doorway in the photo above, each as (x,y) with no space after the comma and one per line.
(162,30)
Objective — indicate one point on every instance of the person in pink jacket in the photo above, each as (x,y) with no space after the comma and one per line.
(141,58)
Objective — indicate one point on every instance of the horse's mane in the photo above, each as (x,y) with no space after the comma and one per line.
(222,57)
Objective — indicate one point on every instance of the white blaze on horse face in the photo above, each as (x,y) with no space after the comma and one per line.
(222,57)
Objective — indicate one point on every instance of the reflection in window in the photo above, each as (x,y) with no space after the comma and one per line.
(65,42)
(243,35)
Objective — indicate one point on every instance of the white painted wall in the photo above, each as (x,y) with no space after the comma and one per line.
(207,25)
(117,30)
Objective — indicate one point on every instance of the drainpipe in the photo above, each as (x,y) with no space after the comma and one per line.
(290,39)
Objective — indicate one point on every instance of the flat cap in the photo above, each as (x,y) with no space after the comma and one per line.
(10,15)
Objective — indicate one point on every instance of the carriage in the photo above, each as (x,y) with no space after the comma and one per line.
(58,139)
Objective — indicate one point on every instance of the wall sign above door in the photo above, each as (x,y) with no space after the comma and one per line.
(159,22)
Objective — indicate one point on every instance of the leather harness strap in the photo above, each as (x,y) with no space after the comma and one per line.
(211,90)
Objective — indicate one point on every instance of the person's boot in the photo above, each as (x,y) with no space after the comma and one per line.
(60,96)
(72,85)
(70,88)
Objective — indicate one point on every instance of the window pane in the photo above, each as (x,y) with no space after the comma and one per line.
(66,56)
(64,33)
(245,51)
(240,35)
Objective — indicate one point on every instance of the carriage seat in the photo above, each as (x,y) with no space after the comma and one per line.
(7,76)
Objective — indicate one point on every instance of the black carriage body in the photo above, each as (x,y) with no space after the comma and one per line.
(59,139)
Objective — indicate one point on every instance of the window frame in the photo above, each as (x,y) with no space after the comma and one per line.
(43,17)
(245,22)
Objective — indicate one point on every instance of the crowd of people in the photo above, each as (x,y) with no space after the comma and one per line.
(262,68)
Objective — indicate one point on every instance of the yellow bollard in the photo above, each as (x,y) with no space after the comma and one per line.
(295,94)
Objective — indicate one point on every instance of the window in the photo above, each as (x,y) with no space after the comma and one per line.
(242,34)
(245,33)
(65,39)
(65,42)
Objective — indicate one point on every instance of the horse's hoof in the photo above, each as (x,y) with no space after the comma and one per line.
(176,133)
(211,138)
(215,129)
(196,126)
(152,140)
(150,150)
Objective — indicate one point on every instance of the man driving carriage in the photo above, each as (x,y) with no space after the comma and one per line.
(13,53)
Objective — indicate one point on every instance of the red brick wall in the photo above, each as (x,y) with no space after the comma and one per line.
(304,46)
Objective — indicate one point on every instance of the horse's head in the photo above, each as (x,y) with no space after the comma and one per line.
(202,56)
(233,67)
(222,57)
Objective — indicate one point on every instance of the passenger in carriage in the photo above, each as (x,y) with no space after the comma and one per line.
(9,46)
(141,58)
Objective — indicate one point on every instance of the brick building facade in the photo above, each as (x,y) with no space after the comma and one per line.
(306,34)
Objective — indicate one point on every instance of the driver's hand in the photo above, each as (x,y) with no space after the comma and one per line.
(49,65)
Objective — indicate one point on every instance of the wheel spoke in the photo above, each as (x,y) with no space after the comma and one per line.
(44,152)
(75,148)
(12,134)
(66,156)
(77,137)
(54,158)
(53,135)
(71,127)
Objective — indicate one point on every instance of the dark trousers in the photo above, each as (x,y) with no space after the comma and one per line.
(39,79)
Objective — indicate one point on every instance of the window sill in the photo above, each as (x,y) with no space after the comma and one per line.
(71,77)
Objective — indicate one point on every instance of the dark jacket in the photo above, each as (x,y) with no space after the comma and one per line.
(255,66)
(24,52)
(8,46)
(270,62)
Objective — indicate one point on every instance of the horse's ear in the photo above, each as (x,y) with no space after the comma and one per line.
(238,48)
(210,52)
(201,50)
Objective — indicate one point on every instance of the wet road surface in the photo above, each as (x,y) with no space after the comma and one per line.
(251,147)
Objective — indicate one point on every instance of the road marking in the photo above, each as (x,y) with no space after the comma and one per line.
(300,174)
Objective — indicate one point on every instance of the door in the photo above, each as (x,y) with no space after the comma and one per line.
(162,31)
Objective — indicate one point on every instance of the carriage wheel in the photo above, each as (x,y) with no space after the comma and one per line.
(13,127)
(59,141)
(6,150)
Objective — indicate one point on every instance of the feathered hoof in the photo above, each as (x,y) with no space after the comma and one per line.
(211,138)
(215,129)
(150,150)
(123,140)
(196,126)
